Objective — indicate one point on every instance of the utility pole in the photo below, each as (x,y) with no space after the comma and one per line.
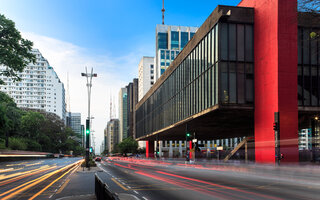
(89,85)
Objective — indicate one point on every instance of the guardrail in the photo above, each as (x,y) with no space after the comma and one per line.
(102,190)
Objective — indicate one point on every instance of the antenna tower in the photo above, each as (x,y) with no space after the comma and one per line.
(163,12)
(68,93)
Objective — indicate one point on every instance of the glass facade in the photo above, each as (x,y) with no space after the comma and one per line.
(174,40)
(308,68)
(162,40)
(184,39)
(214,72)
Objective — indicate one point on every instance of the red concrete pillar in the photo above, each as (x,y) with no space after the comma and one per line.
(275,59)
(149,149)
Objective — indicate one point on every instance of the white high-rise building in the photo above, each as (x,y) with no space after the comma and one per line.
(170,40)
(146,75)
(123,114)
(40,87)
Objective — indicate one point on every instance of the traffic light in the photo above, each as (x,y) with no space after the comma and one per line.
(87,127)
(188,136)
(275,126)
(91,149)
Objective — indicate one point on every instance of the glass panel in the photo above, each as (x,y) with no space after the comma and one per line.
(174,40)
(249,83)
(249,43)
(307,85)
(314,51)
(232,42)
(191,35)
(162,40)
(232,83)
(216,43)
(314,96)
(300,88)
(306,46)
(300,35)
(240,83)
(224,83)
(240,42)
(224,41)
(184,39)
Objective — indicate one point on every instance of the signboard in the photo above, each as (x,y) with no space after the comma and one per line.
(220,148)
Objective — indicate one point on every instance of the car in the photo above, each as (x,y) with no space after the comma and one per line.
(98,159)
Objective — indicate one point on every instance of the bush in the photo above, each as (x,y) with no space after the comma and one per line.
(17,143)
(2,143)
(33,145)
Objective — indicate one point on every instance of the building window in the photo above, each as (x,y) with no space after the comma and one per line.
(162,40)
(174,40)
(184,39)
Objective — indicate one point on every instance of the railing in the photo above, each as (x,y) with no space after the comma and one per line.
(102,190)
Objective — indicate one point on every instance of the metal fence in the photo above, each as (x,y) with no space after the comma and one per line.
(102,190)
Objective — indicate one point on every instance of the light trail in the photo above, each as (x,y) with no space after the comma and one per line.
(29,184)
(3,177)
(29,174)
(38,193)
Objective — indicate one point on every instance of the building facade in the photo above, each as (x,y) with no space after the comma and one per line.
(132,100)
(40,87)
(111,135)
(170,40)
(246,68)
(123,114)
(74,122)
(146,75)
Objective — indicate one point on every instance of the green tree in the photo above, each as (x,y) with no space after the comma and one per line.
(128,145)
(31,124)
(15,52)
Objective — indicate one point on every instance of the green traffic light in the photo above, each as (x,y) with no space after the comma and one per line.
(87,131)
(188,134)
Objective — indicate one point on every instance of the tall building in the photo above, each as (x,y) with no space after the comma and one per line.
(40,87)
(123,114)
(111,134)
(132,100)
(146,75)
(170,40)
(74,122)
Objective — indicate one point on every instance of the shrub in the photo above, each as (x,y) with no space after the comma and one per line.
(17,143)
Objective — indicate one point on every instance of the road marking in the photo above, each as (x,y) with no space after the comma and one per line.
(63,186)
(144,198)
(135,192)
(119,184)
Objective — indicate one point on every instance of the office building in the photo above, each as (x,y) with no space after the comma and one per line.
(132,100)
(146,75)
(170,40)
(123,114)
(111,134)
(40,87)
(74,122)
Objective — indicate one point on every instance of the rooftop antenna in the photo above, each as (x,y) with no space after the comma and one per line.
(110,107)
(163,12)
(68,93)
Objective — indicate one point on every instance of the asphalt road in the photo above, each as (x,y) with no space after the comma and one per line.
(148,180)
(34,179)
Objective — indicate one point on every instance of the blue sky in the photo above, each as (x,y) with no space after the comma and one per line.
(111,36)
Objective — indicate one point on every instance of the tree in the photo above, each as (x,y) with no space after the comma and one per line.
(31,124)
(128,145)
(15,52)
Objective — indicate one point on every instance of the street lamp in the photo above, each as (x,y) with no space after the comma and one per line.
(89,85)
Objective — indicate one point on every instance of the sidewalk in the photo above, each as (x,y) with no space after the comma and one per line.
(79,186)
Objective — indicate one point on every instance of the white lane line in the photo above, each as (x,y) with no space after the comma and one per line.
(144,198)
(129,187)
(135,192)
(50,196)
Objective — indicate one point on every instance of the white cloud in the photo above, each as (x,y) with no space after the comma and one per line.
(112,73)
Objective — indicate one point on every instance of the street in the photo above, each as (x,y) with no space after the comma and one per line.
(147,179)
(34,179)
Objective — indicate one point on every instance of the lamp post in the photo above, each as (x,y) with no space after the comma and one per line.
(89,85)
